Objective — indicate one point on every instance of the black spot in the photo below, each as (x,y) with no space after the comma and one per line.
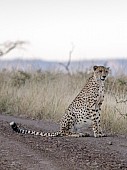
(94,119)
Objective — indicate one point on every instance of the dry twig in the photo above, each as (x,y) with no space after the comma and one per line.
(120,101)
(122,115)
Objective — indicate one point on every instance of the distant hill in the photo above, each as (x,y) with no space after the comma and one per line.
(116,65)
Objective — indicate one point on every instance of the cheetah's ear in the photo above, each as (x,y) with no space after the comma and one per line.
(95,67)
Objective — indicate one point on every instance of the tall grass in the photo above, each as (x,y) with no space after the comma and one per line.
(47,94)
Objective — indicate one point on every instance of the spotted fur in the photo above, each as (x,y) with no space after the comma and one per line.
(84,109)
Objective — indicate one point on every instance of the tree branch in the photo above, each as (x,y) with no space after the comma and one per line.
(67,65)
(9,46)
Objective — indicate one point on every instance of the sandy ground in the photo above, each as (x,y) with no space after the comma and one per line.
(27,152)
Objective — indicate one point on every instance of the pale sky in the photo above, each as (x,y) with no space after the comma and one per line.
(97,28)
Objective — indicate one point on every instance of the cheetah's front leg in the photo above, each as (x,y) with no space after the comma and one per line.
(98,121)
(96,125)
(100,131)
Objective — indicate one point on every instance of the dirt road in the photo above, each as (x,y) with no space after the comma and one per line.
(26,152)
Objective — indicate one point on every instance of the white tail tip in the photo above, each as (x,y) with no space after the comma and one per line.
(12,123)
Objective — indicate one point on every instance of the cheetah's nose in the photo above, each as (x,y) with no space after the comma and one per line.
(104,77)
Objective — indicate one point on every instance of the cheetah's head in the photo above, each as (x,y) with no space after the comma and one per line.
(100,72)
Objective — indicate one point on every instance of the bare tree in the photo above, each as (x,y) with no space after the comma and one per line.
(8,46)
(67,65)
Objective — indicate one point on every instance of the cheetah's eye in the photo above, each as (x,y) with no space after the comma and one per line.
(100,71)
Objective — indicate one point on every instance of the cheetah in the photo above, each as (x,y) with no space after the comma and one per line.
(84,109)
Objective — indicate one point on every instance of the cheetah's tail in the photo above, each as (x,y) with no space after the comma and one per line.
(25,131)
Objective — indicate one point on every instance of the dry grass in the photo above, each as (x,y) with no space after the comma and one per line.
(47,95)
